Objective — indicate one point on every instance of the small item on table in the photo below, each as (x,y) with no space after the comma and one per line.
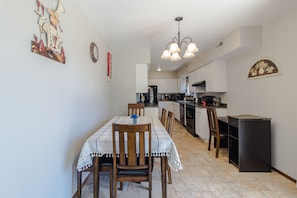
(134,117)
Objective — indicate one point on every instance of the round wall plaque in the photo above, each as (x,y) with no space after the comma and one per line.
(94,52)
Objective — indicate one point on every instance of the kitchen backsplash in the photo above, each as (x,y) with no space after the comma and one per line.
(170,96)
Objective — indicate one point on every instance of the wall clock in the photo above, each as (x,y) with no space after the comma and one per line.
(94,52)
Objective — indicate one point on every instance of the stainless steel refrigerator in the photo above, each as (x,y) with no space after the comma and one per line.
(152,94)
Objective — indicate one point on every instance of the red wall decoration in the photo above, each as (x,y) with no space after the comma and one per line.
(109,65)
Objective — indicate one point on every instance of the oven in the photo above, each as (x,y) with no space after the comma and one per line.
(190,119)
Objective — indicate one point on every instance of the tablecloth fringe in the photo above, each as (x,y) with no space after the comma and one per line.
(86,160)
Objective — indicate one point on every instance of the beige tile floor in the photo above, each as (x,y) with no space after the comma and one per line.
(203,176)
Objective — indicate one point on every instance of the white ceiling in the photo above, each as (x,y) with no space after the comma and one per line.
(151,24)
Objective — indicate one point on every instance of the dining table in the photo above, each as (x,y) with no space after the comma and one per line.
(100,144)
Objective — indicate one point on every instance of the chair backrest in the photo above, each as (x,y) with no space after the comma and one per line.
(213,121)
(169,123)
(132,144)
(136,108)
(163,117)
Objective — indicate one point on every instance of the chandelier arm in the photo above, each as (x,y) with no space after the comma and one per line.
(184,40)
(167,46)
(174,39)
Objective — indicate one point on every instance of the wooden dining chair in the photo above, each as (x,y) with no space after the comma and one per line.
(105,164)
(214,129)
(169,123)
(163,116)
(132,148)
(136,108)
(169,129)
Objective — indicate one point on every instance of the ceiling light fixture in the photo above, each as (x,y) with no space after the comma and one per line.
(174,47)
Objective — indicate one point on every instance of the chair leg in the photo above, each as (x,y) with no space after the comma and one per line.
(209,142)
(115,187)
(217,147)
(150,190)
(110,183)
(121,186)
(79,174)
(169,174)
(150,185)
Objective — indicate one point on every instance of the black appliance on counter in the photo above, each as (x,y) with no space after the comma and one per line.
(210,100)
(190,119)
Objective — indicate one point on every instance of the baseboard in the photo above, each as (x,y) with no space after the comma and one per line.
(285,175)
(83,184)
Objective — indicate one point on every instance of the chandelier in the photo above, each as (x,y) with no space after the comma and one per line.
(173,48)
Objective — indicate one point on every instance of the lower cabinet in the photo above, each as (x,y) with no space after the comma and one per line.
(151,111)
(201,122)
(176,110)
(168,105)
(250,143)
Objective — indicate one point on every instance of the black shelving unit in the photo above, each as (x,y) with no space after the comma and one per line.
(250,143)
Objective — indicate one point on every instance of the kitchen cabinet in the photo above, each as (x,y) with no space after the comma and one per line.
(168,85)
(168,105)
(215,76)
(201,122)
(250,142)
(182,85)
(141,78)
(151,111)
(193,79)
(153,81)
(165,85)
(176,110)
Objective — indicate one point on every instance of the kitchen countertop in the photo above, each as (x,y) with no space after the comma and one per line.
(199,105)
(183,102)
(150,105)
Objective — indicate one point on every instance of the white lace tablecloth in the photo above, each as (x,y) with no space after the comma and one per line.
(100,143)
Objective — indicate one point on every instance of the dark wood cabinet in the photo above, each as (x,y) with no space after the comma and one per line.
(250,142)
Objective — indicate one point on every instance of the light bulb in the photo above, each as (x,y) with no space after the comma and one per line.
(192,47)
(166,55)
(175,57)
(174,48)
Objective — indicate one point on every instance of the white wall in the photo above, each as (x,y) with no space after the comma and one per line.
(47,109)
(124,77)
(273,97)
(162,74)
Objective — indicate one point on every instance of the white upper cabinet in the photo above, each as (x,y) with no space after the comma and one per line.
(171,85)
(215,76)
(153,81)
(167,85)
(141,78)
(192,80)
(182,84)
